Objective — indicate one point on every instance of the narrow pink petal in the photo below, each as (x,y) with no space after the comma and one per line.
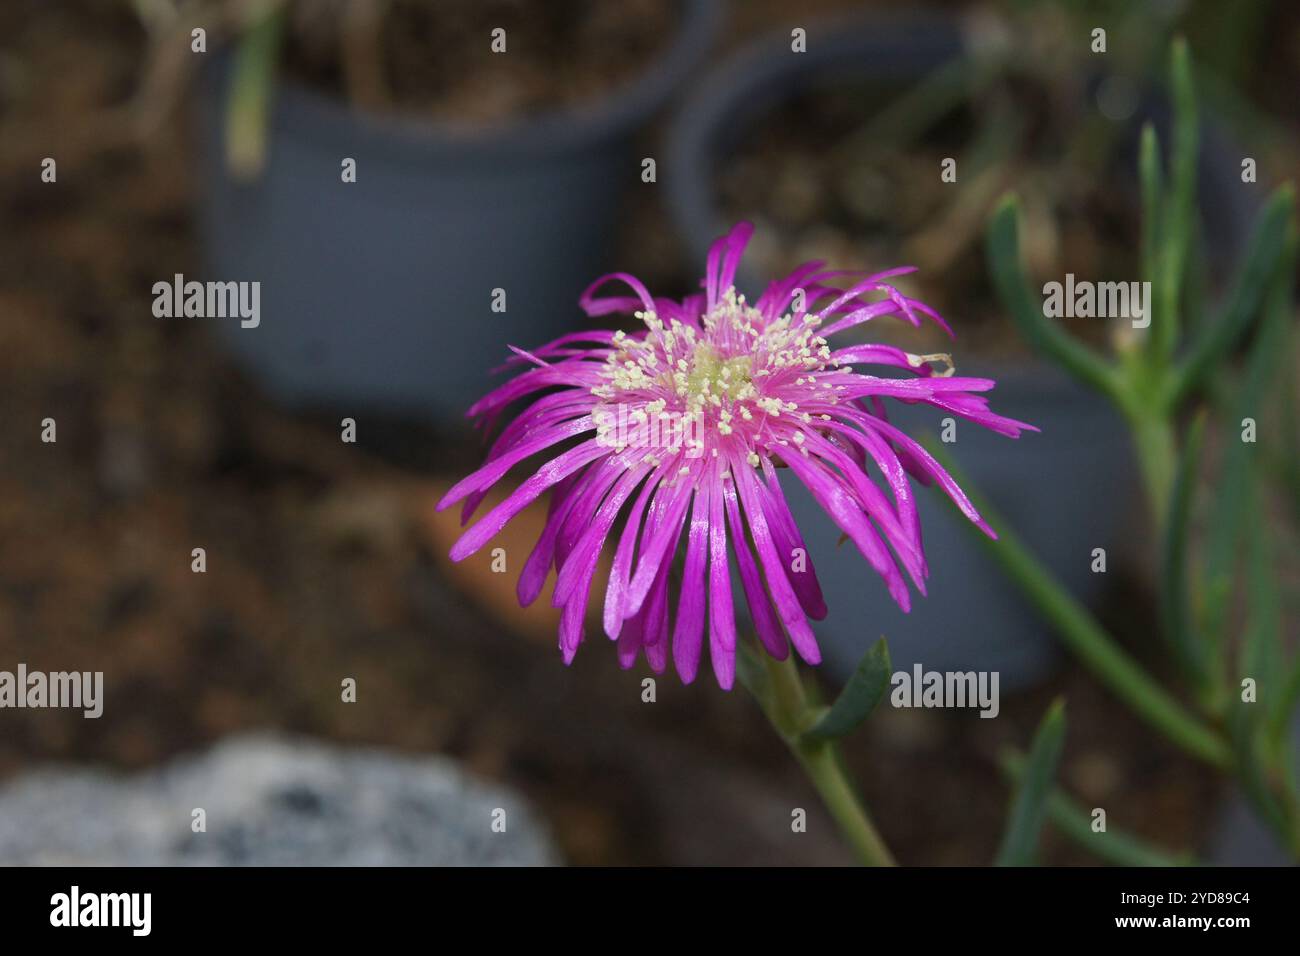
(490,474)
(688,631)
(786,531)
(760,608)
(891,466)
(778,294)
(657,616)
(877,355)
(542,414)
(871,283)
(617,587)
(830,493)
(549,474)
(871,500)
(934,470)
(574,373)
(663,534)
(630,639)
(594,307)
(711,290)
(722,620)
(533,576)
(787,605)
(586,552)
(573,617)
(974,408)
(912,389)
(864,314)
(737,240)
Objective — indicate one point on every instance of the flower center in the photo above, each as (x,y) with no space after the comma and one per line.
(737,371)
(712,375)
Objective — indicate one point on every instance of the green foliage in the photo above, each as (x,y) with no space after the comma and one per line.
(252,90)
(859,697)
(1184,354)
(1029,807)
(1074,822)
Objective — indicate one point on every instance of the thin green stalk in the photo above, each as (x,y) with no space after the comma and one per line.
(791,712)
(1157,455)
(1123,675)
(1080,632)
(1194,650)
(1179,210)
(248,110)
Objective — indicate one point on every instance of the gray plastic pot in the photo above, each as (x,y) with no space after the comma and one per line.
(1065,491)
(377,294)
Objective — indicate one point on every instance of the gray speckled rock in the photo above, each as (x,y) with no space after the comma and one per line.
(270,802)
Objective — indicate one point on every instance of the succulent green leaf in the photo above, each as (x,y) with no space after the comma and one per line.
(1042,333)
(1029,808)
(859,697)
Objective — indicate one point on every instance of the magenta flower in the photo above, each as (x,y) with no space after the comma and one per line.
(679,431)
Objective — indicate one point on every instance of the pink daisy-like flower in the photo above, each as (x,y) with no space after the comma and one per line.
(678,431)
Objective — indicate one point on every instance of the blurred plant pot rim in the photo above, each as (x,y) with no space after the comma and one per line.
(309,115)
(871,47)
(883,48)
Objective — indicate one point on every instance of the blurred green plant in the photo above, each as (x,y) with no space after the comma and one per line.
(813,730)
(1243,683)
(256,30)
(1029,808)
(252,85)
(1027,68)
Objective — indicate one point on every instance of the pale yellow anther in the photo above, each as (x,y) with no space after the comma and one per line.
(916,361)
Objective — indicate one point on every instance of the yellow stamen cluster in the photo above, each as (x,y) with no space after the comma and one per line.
(737,372)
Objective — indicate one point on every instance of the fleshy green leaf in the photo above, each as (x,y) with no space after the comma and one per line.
(1045,335)
(1074,821)
(1181,628)
(1029,809)
(1230,516)
(1180,203)
(859,696)
(1152,199)
(1219,336)
(1288,692)
(1244,729)
(1289,464)
(1261,656)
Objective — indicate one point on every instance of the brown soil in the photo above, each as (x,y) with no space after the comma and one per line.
(818,190)
(436,59)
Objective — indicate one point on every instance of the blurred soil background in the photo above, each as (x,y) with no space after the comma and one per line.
(324,560)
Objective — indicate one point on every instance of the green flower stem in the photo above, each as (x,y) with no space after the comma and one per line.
(790,711)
